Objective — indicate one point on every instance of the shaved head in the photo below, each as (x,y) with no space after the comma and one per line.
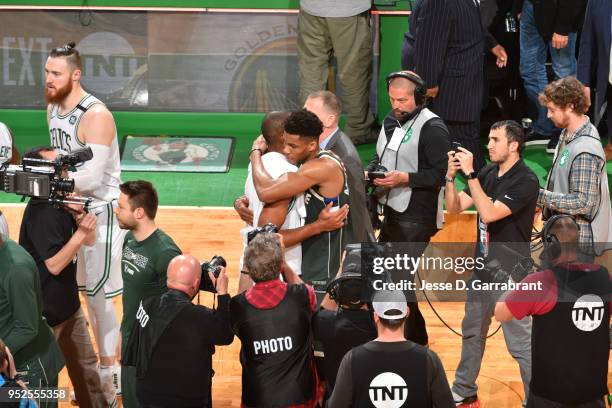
(184,273)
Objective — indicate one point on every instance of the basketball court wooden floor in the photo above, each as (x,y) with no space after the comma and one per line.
(204,232)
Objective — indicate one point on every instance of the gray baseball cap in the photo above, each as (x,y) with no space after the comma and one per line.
(390,304)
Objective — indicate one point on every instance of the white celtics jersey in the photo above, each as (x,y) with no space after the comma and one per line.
(63,131)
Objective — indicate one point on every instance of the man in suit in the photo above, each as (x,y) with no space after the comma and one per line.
(445,46)
(327,107)
(594,61)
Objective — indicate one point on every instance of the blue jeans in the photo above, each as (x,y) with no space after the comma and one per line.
(533,71)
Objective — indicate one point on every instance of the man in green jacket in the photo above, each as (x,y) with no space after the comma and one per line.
(22,327)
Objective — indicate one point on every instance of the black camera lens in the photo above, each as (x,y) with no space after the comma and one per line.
(214,265)
(64,185)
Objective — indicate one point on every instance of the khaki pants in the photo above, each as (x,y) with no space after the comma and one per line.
(350,40)
(81,361)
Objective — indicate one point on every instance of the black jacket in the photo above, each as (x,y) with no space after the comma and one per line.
(556,16)
(445,45)
(342,146)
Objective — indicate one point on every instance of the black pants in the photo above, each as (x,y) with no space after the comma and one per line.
(394,230)
(538,402)
(468,134)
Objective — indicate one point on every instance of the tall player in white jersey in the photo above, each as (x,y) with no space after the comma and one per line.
(78,119)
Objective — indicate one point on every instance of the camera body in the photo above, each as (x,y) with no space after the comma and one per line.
(269,227)
(376,171)
(213,266)
(43,179)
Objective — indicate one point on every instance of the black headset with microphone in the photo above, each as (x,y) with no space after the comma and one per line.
(552,245)
(420,92)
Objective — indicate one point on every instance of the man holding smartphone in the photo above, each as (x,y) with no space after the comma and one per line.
(504,194)
(411,154)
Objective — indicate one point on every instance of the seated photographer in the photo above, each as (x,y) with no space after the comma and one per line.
(571,314)
(53,234)
(172,343)
(504,193)
(272,321)
(22,327)
(343,320)
(413,374)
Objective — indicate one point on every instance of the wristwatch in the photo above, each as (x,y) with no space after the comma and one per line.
(471,175)
(449,179)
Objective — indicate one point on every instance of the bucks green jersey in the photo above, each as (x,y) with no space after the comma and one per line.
(322,254)
(143,267)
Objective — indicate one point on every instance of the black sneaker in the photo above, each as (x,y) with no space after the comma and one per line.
(532,138)
(552,144)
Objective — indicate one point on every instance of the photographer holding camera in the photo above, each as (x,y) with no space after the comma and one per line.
(343,321)
(408,172)
(272,321)
(505,194)
(571,315)
(173,340)
(147,251)
(53,235)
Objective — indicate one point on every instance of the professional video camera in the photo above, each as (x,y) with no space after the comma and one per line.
(43,179)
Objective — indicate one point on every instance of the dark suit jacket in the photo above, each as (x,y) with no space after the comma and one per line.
(594,57)
(359,219)
(445,46)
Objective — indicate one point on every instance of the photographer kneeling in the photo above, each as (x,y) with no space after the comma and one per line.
(172,342)
(272,320)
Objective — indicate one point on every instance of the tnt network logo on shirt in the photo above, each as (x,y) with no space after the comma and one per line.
(388,390)
(588,312)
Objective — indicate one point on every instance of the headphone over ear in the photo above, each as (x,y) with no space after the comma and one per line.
(552,246)
(420,92)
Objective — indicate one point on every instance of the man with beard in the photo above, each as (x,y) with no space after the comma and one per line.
(412,148)
(322,178)
(76,120)
(505,194)
(147,251)
(577,182)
